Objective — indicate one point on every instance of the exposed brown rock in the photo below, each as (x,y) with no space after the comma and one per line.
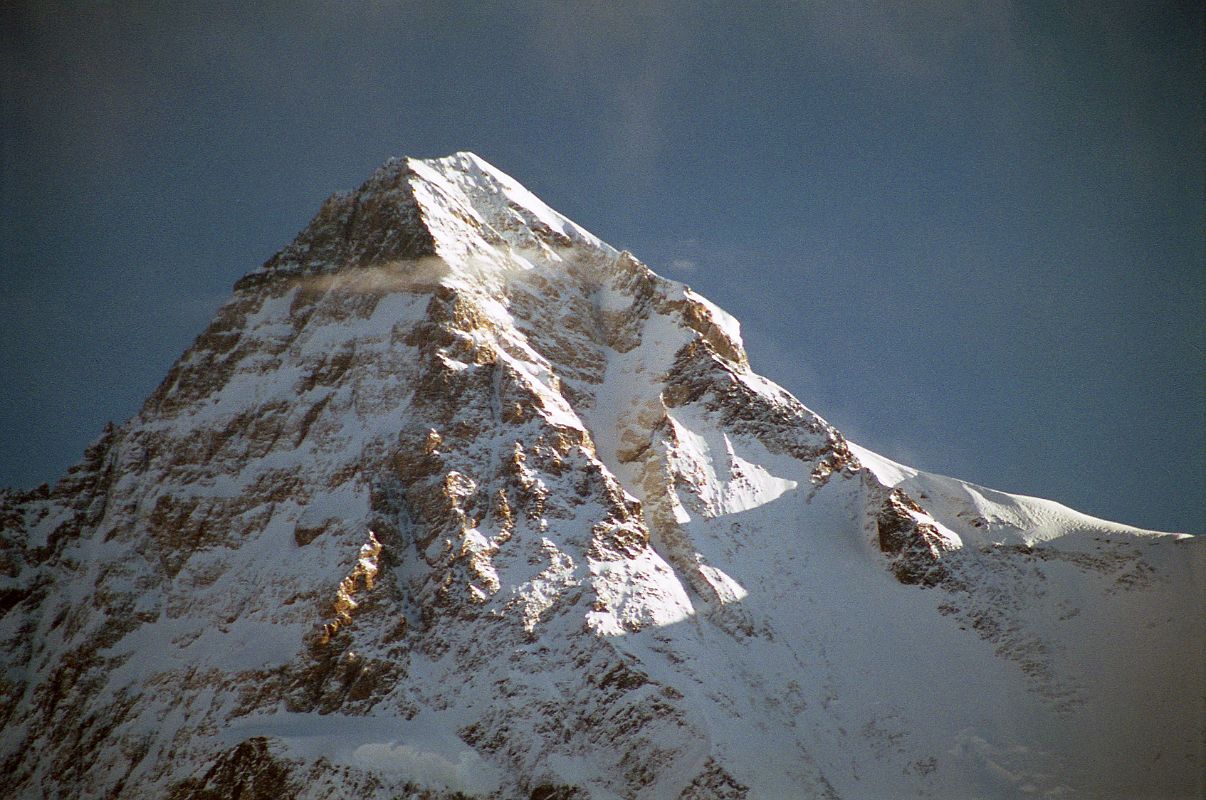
(715,783)
(916,546)
(248,771)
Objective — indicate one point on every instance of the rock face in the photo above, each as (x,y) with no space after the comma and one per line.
(453,499)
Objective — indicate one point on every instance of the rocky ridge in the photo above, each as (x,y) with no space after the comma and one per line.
(454,499)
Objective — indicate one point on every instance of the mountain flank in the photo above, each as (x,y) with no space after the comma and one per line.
(454,500)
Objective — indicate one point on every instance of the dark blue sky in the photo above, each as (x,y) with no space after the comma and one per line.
(971,235)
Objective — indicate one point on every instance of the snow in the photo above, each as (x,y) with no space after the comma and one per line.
(425,750)
(1004,519)
(723,319)
(487,188)
(469,205)
(765,629)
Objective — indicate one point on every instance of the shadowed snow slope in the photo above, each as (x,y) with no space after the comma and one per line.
(453,497)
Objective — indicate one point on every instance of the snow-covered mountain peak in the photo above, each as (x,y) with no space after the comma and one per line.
(452,499)
(478,221)
(464,188)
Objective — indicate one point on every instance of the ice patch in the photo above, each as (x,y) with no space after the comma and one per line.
(1009,771)
(425,750)
(467,773)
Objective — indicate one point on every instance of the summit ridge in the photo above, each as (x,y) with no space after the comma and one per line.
(456,207)
(453,499)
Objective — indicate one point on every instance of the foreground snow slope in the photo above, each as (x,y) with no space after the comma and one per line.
(453,497)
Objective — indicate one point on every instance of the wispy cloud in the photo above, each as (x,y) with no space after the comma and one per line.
(625,57)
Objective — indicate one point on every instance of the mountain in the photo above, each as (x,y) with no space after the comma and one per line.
(453,499)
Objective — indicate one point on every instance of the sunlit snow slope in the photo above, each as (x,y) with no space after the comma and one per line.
(453,497)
